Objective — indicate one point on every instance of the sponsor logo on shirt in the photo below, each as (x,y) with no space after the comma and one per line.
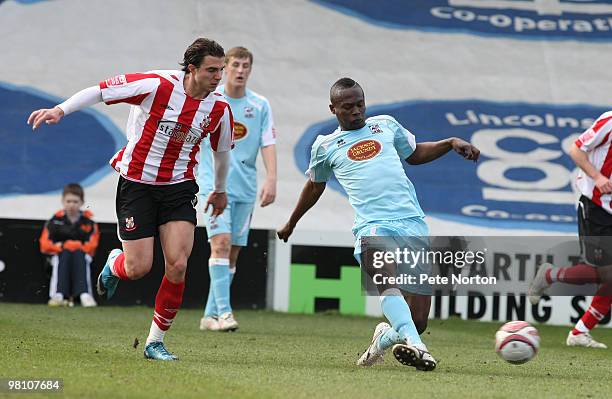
(179,132)
(240,131)
(119,80)
(364,150)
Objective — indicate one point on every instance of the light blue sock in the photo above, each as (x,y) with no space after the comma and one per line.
(398,313)
(232,271)
(211,306)
(388,339)
(220,283)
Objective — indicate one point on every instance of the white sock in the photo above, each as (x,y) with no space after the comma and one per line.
(581,327)
(156,334)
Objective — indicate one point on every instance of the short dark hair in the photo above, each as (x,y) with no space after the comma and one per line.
(239,52)
(199,49)
(341,84)
(75,189)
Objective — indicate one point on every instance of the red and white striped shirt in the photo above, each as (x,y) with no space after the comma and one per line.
(597,143)
(166,126)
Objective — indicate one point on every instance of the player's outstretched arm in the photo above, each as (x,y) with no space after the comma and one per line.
(310,195)
(430,151)
(82,99)
(581,159)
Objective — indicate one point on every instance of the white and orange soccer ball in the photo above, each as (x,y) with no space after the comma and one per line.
(517,342)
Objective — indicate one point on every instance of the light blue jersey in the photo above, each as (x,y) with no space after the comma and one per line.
(367,163)
(253,129)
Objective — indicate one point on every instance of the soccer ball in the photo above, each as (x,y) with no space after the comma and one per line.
(517,342)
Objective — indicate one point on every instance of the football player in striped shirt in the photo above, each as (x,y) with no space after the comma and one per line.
(253,133)
(172,112)
(592,153)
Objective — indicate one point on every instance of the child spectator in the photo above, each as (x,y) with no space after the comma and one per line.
(70,237)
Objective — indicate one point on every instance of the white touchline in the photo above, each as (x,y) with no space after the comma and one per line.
(542,7)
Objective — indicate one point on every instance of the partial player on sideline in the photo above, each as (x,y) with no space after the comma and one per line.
(592,153)
(172,112)
(228,233)
(365,156)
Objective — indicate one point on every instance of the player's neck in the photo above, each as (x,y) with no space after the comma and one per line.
(234,91)
(73,217)
(192,90)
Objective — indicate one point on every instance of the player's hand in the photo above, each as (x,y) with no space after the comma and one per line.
(268,193)
(603,184)
(48,116)
(285,232)
(218,201)
(465,149)
(72,245)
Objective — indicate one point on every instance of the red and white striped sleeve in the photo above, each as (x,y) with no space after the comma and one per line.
(131,88)
(597,135)
(222,138)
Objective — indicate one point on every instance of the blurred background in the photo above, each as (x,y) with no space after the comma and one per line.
(518,78)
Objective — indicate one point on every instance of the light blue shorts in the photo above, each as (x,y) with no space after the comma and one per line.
(410,233)
(235,220)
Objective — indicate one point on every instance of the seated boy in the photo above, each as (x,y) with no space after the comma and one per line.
(70,237)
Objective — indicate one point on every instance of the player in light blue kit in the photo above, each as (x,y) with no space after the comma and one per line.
(365,156)
(253,132)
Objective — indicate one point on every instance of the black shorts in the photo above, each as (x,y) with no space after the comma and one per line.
(141,208)
(595,230)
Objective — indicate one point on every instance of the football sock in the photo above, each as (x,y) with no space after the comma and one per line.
(220,283)
(167,303)
(600,306)
(577,274)
(118,267)
(211,306)
(388,339)
(397,311)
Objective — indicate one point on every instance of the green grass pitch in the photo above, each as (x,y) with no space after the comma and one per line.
(280,356)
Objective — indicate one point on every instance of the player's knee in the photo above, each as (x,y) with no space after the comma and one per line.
(137,268)
(176,266)
(221,246)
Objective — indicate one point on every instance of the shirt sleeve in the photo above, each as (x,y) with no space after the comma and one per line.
(404,141)
(268,132)
(222,137)
(598,134)
(131,88)
(319,169)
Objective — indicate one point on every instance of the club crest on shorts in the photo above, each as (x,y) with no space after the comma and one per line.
(194,201)
(364,150)
(129,224)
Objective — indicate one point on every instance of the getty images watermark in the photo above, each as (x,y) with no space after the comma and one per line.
(470,266)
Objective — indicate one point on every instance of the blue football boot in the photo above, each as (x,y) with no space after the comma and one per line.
(107,281)
(157,351)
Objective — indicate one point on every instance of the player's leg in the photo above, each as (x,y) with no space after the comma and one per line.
(219,237)
(599,308)
(396,310)
(219,270)
(136,227)
(177,220)
(240,217)
(594,227)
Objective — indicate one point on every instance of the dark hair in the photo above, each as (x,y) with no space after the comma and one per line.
(75,189)
(341,84)
(199,49)
(239,52)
